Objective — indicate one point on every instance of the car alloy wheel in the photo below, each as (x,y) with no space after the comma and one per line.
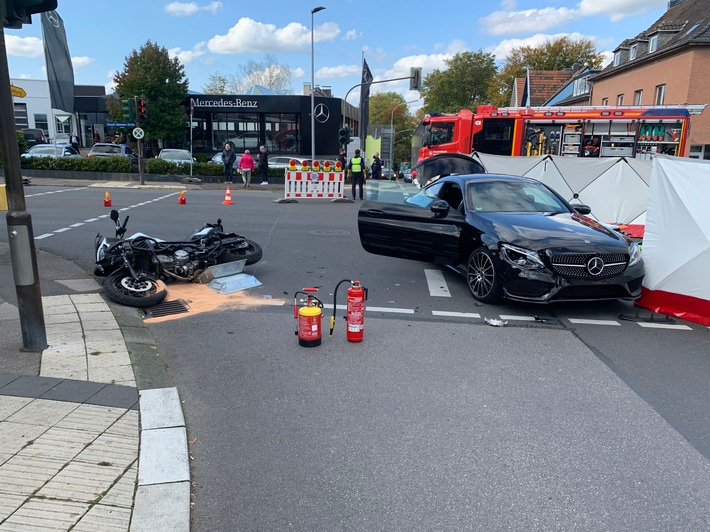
(482,277)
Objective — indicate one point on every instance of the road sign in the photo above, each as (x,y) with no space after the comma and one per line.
(19,92)
(138,133)
(120,124)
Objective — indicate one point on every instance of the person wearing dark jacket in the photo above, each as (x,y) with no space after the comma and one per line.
(376,166)
(228,158)
(263,164)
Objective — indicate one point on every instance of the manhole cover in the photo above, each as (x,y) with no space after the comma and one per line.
(329,232)
(166,308)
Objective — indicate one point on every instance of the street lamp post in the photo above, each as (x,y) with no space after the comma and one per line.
(392,131)
(313,88)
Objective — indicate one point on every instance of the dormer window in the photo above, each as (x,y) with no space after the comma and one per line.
(633,52)
(653,43)
(617,58)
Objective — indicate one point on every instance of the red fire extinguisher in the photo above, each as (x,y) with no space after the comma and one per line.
(309,317)
(354,311)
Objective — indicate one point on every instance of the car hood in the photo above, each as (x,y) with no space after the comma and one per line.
(560,232)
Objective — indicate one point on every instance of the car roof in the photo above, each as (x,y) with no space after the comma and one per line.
(465,178)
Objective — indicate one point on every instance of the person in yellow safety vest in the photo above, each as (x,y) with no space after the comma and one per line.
(356,168)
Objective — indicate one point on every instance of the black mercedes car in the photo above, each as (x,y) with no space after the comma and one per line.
(512,237)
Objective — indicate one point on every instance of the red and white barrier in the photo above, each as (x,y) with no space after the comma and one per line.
(309,184)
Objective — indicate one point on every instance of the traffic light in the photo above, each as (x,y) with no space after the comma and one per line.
(15,13)
(141,110)
(128,107)
(344,135)
(415,78)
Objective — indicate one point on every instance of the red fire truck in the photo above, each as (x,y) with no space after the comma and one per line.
(606,131)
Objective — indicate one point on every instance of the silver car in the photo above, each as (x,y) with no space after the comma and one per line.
(176,156)
(50,150)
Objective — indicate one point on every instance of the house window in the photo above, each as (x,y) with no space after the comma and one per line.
(581,86)
(42,123)
(660,95)
(605,101)
(653,43)
(638,97)
(620,99)
(617,58)
(633,52)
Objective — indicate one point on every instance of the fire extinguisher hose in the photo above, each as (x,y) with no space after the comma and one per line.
(335,297)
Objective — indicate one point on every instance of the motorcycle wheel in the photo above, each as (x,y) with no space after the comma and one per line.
(251,252)
(125,290)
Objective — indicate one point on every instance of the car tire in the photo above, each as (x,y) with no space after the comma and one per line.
(482,277)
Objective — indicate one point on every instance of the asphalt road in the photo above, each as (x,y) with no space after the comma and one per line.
(566,418)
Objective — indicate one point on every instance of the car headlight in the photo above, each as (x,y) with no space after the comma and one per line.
(521,257)
(634,253)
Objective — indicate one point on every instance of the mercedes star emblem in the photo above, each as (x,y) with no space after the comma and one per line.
(322,113)
(595,266)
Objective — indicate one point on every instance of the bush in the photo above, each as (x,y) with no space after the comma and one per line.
(116,164)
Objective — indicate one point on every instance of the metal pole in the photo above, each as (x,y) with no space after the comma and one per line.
(392,130)
(19,221)
(313,88)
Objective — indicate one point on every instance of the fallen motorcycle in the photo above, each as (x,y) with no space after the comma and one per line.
(137,267)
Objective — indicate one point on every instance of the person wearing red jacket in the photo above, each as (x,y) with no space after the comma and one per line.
(246,167)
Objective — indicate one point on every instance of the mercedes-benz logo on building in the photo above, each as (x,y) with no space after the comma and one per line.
(322,113)
(595,266)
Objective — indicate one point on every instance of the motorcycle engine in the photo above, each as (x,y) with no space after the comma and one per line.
(179,262)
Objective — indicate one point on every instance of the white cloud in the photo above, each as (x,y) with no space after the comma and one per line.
(187,56)
(340,71)
(23,46)
(351,35)
(297,73)
(618,9)
(248,35)
(188,9)
(81,61)
(515,22)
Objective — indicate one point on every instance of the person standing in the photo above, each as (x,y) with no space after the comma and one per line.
(264,165)
(246,166)
(343,160)
(355,172)
(228,158)
(74,141)
(376,166)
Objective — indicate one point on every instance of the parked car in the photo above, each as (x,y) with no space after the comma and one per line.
(283,161)
(511,237)
(107,149)
(176,156)
(50,150)
(217,159)
(405,172)
(34,136)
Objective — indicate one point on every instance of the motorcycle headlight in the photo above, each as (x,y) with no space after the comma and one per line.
(634,253)
(525,259)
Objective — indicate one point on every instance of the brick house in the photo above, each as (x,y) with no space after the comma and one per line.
(666,64)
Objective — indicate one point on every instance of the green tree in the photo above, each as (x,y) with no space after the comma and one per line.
(217,85)
(555,54)
(150,73)
(463,84)
(386,107)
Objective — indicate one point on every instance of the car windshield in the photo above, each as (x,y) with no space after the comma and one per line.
(175,156)
(111,150)
(509,196)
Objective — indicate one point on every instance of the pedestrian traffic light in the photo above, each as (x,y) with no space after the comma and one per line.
(141,110)
(344,135)
(128,107)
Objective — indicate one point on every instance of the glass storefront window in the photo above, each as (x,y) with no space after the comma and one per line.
(282,135)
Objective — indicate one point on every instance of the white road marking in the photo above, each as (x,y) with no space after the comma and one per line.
(77,225)
(437,284)
(664,326)
(393,310)
(517,318)
(455,314)
(582,321)
(62,230)
(91,220)
(45,235)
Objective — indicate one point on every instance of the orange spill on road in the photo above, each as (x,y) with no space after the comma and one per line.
(200,298)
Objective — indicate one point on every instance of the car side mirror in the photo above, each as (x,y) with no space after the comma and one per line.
(440,208)
(582,209)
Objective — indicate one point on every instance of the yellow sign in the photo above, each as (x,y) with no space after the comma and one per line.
(17,91)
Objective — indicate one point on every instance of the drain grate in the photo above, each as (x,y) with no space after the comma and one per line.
(166,308)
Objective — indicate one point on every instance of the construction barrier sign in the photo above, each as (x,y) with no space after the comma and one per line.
(312,184)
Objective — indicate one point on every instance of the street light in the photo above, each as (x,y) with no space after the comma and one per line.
(392,128)
(313,88)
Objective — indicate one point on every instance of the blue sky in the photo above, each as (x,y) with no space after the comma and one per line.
(212,37)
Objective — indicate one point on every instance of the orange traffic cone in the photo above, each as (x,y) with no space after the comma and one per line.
(107,200)
(181,198)
(228,198)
